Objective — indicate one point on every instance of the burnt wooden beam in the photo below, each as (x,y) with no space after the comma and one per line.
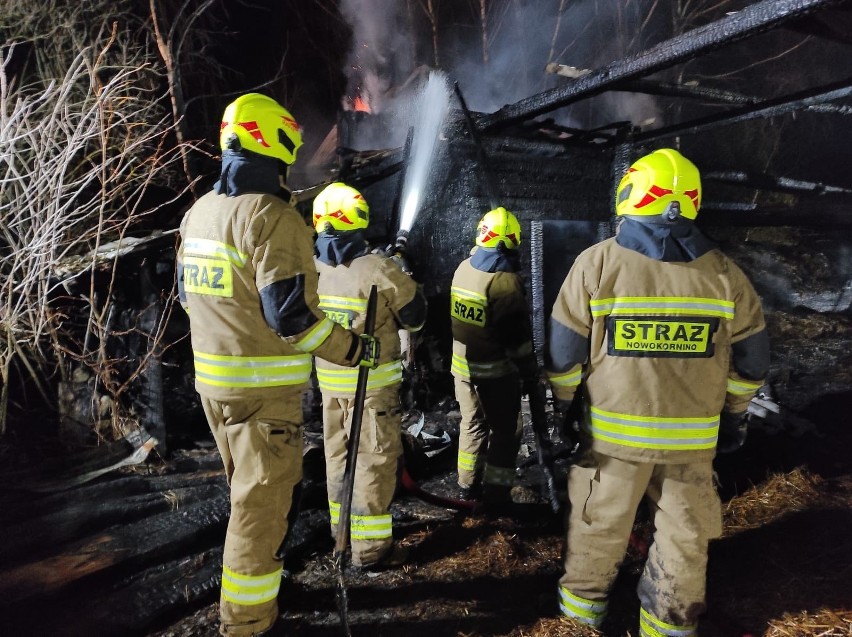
(804,213)
(759,17)
(706,94)
(158,537)
(133,606)
(40,536)
(768,108)
(762,181)
(688,91)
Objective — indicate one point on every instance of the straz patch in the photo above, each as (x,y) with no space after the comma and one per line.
(341,317)
(468,311)
(659,337)
(207,275)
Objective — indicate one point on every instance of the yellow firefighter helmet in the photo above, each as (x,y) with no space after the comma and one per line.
(498,226)
(341,207)
(259,124)
(657,181)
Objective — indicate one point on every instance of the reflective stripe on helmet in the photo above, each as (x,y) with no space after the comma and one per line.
(251,371)
(658,180)
(498,226)
(341,207)
(258,124)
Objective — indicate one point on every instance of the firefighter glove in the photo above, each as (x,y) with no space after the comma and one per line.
(733,429)
(568,417)
(370,349)
(401,263)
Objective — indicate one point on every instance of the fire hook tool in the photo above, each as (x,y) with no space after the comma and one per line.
(342,537)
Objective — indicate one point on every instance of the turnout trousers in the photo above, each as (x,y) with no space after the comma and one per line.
(685,509)
(379,449)
(260,441)
(489,433)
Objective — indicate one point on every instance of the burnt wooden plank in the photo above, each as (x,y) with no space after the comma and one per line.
(752,20)
(38,537)
(157,538)
(134,605)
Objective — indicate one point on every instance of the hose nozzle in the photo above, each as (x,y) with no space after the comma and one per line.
(401,244)
(400,249)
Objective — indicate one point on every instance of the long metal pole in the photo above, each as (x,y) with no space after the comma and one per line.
(342,537)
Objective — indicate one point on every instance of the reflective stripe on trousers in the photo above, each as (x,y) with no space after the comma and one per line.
(364,527)
(460,366)
(467,461)
(650,626)
(250,590)
(583,610)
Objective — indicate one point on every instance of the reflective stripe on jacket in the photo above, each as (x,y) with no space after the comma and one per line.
(490,320)
(343,292)
(246,371)
(231,249)
(652,342)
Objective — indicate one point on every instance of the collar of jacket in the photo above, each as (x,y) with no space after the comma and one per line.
(494,260)
(335,248)
(672,242)
(244,172)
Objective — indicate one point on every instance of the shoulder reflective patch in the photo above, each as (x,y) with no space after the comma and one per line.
(207,275)
(660,337)
(468,307)
(341,317)
(342,309)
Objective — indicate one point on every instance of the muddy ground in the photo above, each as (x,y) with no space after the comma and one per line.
(782,568)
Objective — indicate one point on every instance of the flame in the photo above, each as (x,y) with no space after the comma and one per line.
(360,105)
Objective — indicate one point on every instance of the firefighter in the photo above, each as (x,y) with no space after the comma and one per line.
(347,270)
(246,277)
(667,337)
(492,356)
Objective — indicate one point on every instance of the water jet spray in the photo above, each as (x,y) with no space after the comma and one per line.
(431,111)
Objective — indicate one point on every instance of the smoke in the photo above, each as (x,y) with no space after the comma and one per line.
(381,55)
(501,60)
